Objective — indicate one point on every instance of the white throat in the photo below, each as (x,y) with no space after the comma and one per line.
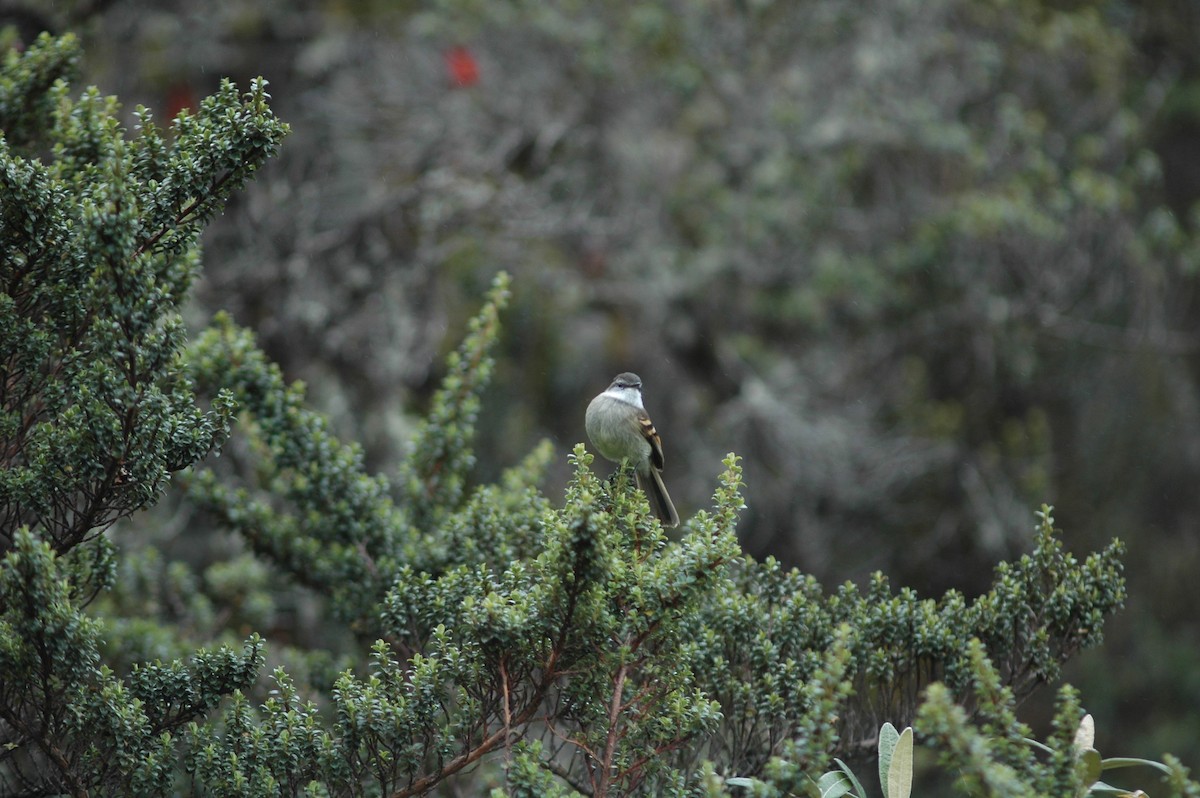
(630,396)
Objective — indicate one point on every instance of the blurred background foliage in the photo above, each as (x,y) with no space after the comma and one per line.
(925,264)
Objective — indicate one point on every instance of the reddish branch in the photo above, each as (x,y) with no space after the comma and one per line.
(550,675)
(489,744)
(610,745)
(507,706)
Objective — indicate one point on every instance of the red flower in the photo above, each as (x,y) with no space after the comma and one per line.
(180,96)
(462,66)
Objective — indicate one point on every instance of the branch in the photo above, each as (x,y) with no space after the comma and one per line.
(55,754)
(550,675)
(610,745)
(491,743)
(184,213)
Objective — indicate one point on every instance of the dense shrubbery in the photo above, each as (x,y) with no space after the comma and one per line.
(923,265)
(480,633)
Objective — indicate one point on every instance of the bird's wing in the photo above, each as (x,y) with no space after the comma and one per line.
(651,435)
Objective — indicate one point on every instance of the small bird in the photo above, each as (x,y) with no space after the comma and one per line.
(620,428)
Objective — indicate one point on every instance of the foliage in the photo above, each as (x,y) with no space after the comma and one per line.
(895,771)
(95,413)
(996,756)
(923,265)
(977,760)
(498,640)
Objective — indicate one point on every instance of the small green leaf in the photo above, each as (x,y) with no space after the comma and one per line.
(742,781)
(1091,759)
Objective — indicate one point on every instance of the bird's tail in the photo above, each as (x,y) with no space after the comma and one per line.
(660,500)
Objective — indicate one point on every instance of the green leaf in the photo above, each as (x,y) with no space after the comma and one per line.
(1038,744)
(834,784)
(900,770)
(888,737)
(858,788)
(1091,759)
(741,781)
(1100,788)
(1115,762)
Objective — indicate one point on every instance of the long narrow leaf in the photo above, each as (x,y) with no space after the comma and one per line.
(900,769)
(858,788)
(1115,762)
(888,737)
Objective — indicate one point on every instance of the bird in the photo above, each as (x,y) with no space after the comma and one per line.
(620,428)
